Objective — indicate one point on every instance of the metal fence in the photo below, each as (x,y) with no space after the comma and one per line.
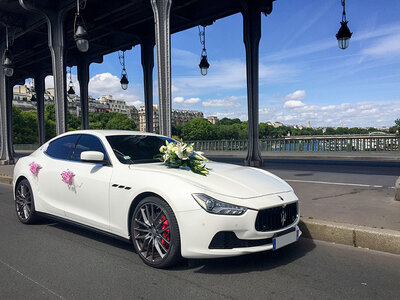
(307,144)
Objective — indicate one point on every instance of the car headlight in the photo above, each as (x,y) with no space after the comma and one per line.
(214,206)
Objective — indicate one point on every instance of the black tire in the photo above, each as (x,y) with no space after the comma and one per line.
(24,203)
(155,233)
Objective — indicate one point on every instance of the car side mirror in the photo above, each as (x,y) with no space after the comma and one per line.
(96,157)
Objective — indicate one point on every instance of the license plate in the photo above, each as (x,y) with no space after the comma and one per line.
(283,240)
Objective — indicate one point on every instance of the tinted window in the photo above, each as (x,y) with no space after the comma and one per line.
(131,149)
(88,143)
(63,147)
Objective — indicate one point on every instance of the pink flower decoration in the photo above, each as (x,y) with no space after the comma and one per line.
(67,177)
(34,168)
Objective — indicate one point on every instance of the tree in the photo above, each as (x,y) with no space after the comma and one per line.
(198,129)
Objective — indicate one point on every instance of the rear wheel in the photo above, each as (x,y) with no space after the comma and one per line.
(24,203)
(155,233)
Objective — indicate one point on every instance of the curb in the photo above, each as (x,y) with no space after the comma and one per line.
(385,240)
(6,179)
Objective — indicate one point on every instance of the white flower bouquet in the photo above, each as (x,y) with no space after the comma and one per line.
(181,155)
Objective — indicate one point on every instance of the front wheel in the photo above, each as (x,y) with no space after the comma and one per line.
(24,204)
(155,233)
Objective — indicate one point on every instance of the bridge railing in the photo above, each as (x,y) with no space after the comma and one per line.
(307,144)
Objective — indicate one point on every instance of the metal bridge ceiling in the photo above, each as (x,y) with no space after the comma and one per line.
(111,25)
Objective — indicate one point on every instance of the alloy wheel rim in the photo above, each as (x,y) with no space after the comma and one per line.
(24,202)
(151,232)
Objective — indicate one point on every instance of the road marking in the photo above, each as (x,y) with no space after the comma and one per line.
(336,183)
(30,279)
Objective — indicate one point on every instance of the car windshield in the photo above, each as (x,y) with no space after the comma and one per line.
(131,149)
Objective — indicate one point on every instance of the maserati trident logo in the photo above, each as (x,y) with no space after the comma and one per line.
(280,197)
(283,217)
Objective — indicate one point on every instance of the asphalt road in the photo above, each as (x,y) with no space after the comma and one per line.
(53,260)
(355,192)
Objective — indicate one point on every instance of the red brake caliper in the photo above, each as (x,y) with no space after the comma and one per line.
(164,225)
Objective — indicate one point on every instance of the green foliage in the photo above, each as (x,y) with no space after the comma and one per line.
(25,126)
(198,129)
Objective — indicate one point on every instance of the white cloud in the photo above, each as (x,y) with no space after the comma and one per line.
(389,45)
(225,102)
(182,101)
(192,101)
(362,114)
(178,100)
(109,84)
(293,104)
(297,95)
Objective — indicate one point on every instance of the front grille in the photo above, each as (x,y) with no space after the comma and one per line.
(276,218)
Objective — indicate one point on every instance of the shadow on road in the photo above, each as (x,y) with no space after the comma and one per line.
(256,262)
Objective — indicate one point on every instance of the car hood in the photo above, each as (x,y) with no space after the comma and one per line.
(228,180)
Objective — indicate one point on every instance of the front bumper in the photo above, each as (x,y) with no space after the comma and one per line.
(198,228)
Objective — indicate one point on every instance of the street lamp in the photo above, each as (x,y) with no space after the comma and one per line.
(124,75)
(7,62)
(81,36)
(204,65)
(343,36)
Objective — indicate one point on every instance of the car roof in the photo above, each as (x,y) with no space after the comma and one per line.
(105,133)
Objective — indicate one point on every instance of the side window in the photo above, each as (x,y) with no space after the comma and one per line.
(63,147)
(88,143)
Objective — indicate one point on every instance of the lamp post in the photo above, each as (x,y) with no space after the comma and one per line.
(7,61)
(204,65)
(81,36)
(343,36)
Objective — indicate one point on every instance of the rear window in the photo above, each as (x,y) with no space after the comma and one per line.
(131,149)
(62,147)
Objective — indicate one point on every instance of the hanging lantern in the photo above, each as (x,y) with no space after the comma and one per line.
(81,36)
(7,61)
(343,36)
(124,75)
(204,65)
(71,90)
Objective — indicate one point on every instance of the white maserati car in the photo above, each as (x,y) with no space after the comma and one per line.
(109,181)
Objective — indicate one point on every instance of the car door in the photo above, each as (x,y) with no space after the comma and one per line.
(89,198)
(51,190)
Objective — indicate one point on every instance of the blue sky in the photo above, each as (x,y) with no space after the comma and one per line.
(304,76)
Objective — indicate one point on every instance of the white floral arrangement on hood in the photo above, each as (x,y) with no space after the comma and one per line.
(181,155)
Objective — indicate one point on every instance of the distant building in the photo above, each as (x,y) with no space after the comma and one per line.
(135,115)
(212,119)
(275,124)
(179,117)
(115,105)
(308,124)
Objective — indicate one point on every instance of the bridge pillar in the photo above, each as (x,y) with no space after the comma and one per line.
(83,78)
(6,150)
(161,10)
(147,54)
(56,41)
(252,33)
(39,89)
